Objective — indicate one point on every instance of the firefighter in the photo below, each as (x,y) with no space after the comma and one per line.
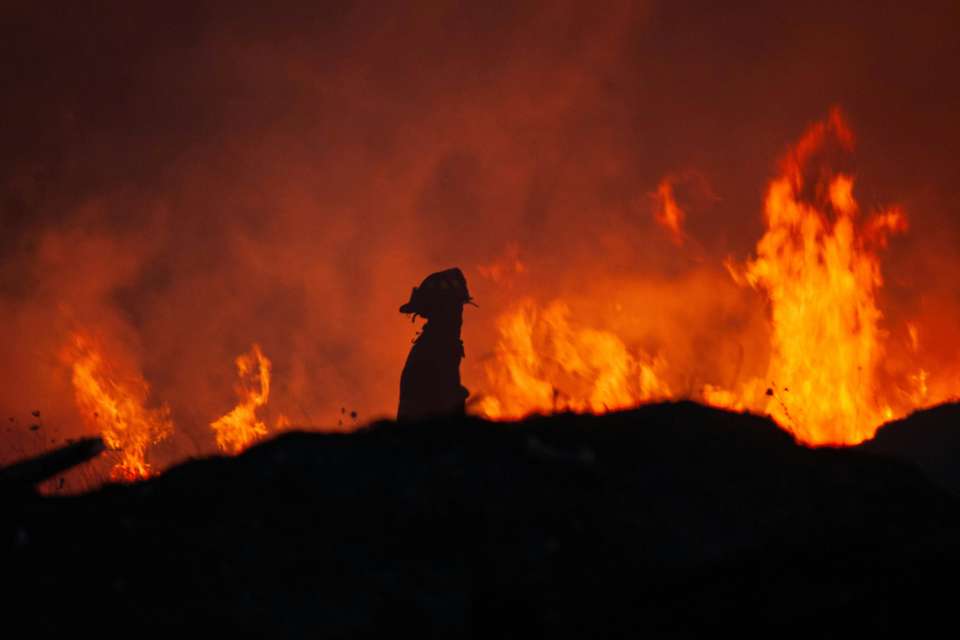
(430,382)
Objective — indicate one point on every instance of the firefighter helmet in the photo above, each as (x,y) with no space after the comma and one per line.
(438,289)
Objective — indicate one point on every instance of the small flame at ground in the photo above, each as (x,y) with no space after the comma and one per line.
(544,363)
(114,404)
(240,428)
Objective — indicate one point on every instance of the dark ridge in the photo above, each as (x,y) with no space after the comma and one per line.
(929,438)
(22,476)
(673,519)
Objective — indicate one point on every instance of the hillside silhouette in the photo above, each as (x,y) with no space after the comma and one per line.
(671,519)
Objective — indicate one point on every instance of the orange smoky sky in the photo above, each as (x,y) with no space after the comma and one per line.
(184,180)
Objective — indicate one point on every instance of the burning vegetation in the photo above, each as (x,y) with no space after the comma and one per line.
(545,363)
(113,403)
(240,428)
(817,267)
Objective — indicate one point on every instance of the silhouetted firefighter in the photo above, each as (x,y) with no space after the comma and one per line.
(430,383)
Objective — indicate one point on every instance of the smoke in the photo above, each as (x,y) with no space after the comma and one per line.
(186,181)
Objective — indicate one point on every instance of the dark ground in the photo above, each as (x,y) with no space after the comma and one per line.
(670,520)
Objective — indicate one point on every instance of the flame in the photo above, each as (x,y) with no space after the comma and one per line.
(722,398)
(544,363)
(832,376)
(820,274)
(114,405)
(817,266)
(668,213)
(240,428)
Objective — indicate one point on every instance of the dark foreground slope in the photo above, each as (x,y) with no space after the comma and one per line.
(930,439)
(668,520)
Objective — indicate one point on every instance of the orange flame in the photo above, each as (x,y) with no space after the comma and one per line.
(114,405)
(820,275)
(818,269)
(668,213)
(240,428)
(545,363)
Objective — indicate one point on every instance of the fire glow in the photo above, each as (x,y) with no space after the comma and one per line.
(114,405)
(547,363)
(818,269)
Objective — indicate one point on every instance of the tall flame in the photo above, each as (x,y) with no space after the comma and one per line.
(820,274)
(114,404)
(240,428)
